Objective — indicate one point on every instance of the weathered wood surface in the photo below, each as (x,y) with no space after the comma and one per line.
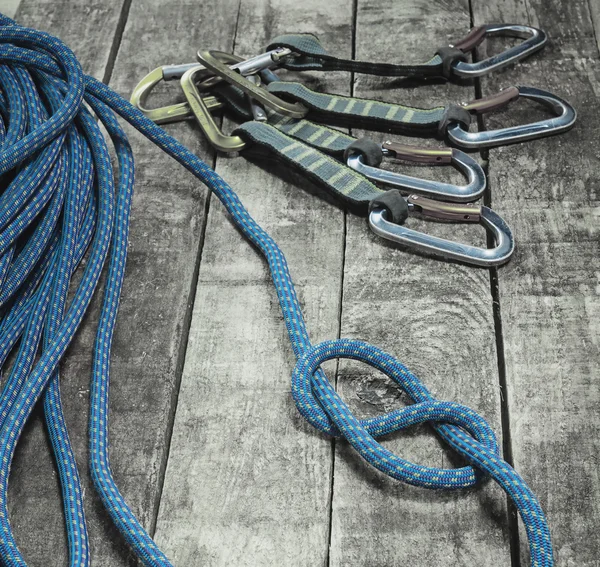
(549,293)
(247,482)
(91,30)
(437,318)
(9,7)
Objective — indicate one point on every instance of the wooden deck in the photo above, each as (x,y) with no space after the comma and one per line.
(206,443)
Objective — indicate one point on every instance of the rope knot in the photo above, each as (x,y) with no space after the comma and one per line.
(322,406)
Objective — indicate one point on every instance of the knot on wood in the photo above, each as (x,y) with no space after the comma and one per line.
(322,406)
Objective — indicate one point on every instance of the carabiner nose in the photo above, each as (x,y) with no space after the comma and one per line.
(484,257)
(564,120)
(535,39)
(360,157)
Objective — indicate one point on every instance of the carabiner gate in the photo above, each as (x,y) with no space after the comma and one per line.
(564,120)
(535,39)
(484,257)
(264,97)
(173,112)
(182,110)
(476,180)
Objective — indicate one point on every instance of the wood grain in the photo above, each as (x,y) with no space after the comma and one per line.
(248,481)
(9,7)
(549,295)
(89,29)
(437,318)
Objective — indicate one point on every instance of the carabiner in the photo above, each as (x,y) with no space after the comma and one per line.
(205,119)
(182,110)
(293,110)
(484,257)
(534,38)
(173,112)
(362,162)
(563,121)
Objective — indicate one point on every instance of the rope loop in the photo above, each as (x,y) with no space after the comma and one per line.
(323,407)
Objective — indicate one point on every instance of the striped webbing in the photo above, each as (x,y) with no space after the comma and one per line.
(344,111)
(342,181)
(362,112)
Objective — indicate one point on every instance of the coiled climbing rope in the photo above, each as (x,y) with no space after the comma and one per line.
(61,200)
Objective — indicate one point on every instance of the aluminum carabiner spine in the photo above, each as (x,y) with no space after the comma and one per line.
(207,123)
(429,244)
(165,114)
(469,167)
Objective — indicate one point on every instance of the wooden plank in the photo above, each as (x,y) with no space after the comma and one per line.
(248,481)
(167,227)
(9,7)
(437,318)
(88,29)
(548,191)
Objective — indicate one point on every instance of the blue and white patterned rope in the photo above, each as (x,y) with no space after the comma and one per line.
(62,201)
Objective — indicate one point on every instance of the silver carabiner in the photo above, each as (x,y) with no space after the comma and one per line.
(484,257)
(476,180)
(564,120)
(535,39)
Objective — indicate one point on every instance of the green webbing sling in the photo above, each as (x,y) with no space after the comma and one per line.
(363,112)
(343,182)
(352,112)
(327,140)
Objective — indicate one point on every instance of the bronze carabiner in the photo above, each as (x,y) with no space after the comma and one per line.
(210,60)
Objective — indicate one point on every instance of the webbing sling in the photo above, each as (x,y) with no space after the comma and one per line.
(372,114)
(314,57)
(355,112)
(68,199)
(343,182)
(328,140)
(449,61)
(305,147)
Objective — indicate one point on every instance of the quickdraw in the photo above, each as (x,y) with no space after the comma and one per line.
(387,210)
(449,62)
(255,93)
(64,200)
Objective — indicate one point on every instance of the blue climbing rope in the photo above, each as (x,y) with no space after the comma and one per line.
(60,200)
